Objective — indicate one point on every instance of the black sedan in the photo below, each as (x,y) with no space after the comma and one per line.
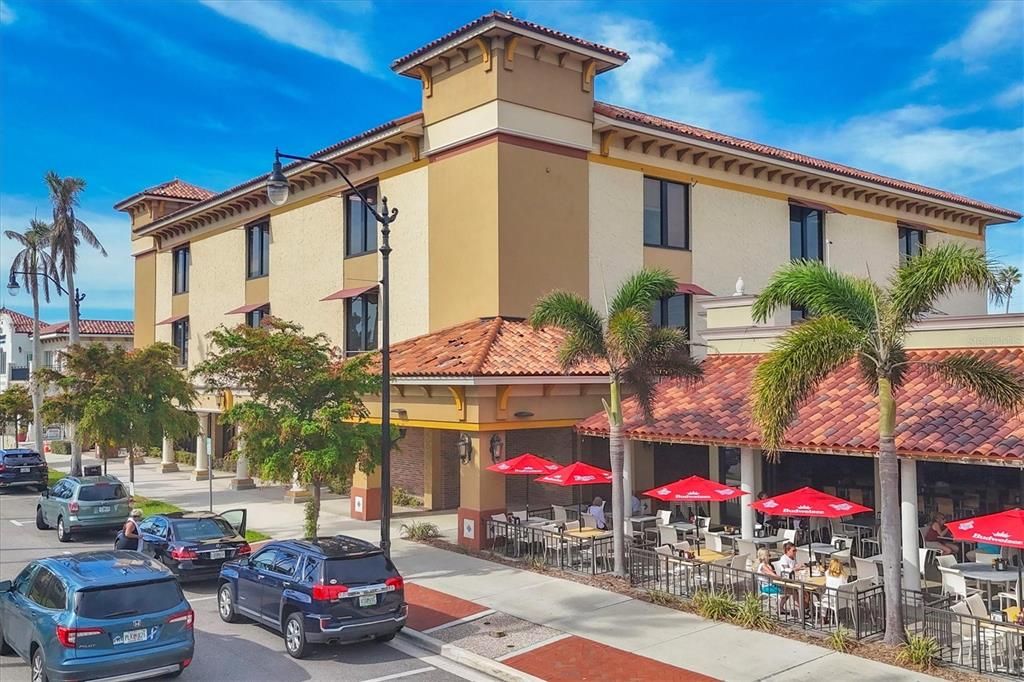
(195,544)
(22,467)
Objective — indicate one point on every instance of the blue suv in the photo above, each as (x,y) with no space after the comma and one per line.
(327,591)
(97,615)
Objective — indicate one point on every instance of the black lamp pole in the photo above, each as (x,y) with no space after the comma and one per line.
(13,286)
(277,191)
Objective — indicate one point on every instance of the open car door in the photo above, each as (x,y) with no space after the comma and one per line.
(236,517)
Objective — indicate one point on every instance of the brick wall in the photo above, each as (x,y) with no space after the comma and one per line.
(407,463)
(557,445)
(449,470)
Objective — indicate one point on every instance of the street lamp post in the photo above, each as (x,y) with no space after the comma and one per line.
(277,191)
(13,288)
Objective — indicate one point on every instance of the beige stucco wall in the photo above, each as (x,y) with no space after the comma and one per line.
(216,285)
(616,228)
(410,262)
(305,256)
(963,302)
(861,246)
(164,286)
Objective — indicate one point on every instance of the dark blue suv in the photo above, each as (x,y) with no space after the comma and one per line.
(21,467)
(97,615)
(327,591)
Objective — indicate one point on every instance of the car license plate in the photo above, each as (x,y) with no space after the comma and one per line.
(102,510)
(368,600)
(220,554)
(132,636)
(25,470)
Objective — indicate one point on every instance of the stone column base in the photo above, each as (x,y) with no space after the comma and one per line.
(297,496)
(364,503)
(473,527)
(242,484)
(168,467)
(201,475)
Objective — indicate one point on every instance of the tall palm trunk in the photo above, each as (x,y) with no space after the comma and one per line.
(37,392)
(615,453)
(76,448)
(891,537)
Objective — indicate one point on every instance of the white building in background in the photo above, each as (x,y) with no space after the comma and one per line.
(15,346)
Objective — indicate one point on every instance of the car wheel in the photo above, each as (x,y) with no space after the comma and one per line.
(5,649)
(295,636)
(226,604)
(38,666)
(385,638)
(40,522)
(63,534)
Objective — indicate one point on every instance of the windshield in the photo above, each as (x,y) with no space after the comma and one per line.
(363,570)
(21,458)
(120,601)
(101,492)
(202,529)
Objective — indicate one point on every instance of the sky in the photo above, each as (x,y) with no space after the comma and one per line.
(130,94)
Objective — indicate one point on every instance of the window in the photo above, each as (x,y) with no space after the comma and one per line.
(911,242)
(257,245)
(179,338)
(363,570)
(361,323)
(310,570)
(197,530)
(254,318)
(264,561)
(48,359)
(666,213)
(672,311)
(102,492)
(360,225)
(182,260)
(806,241)
(286,562)
(47,590)
(119,601)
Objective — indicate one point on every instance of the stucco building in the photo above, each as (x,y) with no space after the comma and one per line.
(511,181)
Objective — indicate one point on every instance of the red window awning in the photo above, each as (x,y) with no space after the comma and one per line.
(172,319)
(825,208)
(349,293)
(246,308)
(688,288)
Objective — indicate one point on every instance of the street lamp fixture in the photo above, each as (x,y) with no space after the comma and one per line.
(278,190)
(13,288)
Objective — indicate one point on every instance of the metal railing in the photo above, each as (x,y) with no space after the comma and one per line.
(985,646)
(19,373)
(554,548)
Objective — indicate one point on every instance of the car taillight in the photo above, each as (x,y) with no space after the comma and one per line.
(328,592)
(395,584)
(186,617)
(183,554)
(3,467)
(244,549)
(73,507)
(68,637)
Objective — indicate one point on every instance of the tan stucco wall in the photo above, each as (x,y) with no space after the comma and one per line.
(962,302)
(978,337)
(257,290)
(561,92)
(861,246)
(305,258)
(164,286)
(145,299)
(464,87)
(410,282)
(616,229)
(363,270)
(216,285)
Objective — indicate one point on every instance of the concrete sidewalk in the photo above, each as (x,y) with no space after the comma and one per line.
(678,639)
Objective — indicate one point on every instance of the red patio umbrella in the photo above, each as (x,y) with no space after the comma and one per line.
(1005,528)
(694,489)
(577,473)
(526,464)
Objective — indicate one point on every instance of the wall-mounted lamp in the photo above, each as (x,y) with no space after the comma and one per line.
(523,413)
(497,448)
(401,413)
(465,447)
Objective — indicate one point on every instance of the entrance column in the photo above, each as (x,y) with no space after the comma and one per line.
(747,465)
(364,497)
(481,492)
(714,470)
(433,494)
(202,471)
(241,481)
(167,463)
(908,511)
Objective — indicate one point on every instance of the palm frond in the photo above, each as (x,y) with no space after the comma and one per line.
(89,236)
(985,378)
(922,280)
(821,290)
(641,290)
(577,348)
(629,333)
(574,314)
(801,359)
(665,356)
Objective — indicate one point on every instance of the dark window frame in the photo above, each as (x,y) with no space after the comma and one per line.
(368,224)
(663,238)
(364,345)
(904,233)
(659,316)
(799,214)
(180,270)
(180,331)
(254,318)
(257,234)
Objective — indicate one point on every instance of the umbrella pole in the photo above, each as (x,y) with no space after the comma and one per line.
(527,499)
(1020,580)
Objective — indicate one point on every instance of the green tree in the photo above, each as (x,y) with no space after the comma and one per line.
(36,266)
(305,411)
(855,319)
(1005,280)
(15,406)
(68,233)
(638,355)
(123,397)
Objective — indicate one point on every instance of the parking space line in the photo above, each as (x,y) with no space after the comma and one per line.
(17,523)
(192,599)
(396,676)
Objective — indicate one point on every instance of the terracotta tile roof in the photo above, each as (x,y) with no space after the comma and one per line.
(630,116)
(932,419)
(511,21)
(486,347)
(97,327)
(172,189)
(22,323)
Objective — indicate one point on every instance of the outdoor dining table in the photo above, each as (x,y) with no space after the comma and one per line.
(823,548)
(587,536)
(985,573)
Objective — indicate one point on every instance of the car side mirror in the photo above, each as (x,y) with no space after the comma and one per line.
(45,492)
(5,586)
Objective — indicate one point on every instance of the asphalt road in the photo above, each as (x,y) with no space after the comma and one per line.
(224,652)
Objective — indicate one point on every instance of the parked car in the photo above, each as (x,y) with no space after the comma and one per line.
(97,615)
(194,545)
(23,467)
(331,590)
(82,503)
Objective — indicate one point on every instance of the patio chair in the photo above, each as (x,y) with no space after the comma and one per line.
(953,583)
(965,639)
(866,570)
(664,517)
(1008,598)
(985,557)
(741,561)
(668,537)
(977,607)
(587,521)
(746,547)
(945,560)
(843,555)
(558,513)
(803,556)
(789,534)
(713,541)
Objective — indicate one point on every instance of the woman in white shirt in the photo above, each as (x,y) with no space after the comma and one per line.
(596,509)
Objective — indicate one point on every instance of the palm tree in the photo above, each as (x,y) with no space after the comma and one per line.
(1005,281)
(68,233)
(36,265)
(853,318)
(638,355)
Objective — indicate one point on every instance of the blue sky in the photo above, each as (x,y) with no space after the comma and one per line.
(129,94)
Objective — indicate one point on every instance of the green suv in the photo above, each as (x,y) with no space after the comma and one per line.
(78,503)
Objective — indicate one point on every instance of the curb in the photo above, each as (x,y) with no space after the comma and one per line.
(467,658)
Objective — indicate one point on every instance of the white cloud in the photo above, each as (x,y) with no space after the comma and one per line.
(992,30)
(290,26)
(7,15)
(1011,97)
(929,77)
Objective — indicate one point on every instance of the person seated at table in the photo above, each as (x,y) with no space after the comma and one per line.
(936,532)
(787,562)
(835,574)
(764,568)
(637,507)
(596,509)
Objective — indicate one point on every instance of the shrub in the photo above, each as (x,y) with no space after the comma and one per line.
(919,651)
(60,447)
(420,530)
(185,457)
(750,615)
(715,605)
(662,598)
(403,498)
(841,640)
(310,525)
